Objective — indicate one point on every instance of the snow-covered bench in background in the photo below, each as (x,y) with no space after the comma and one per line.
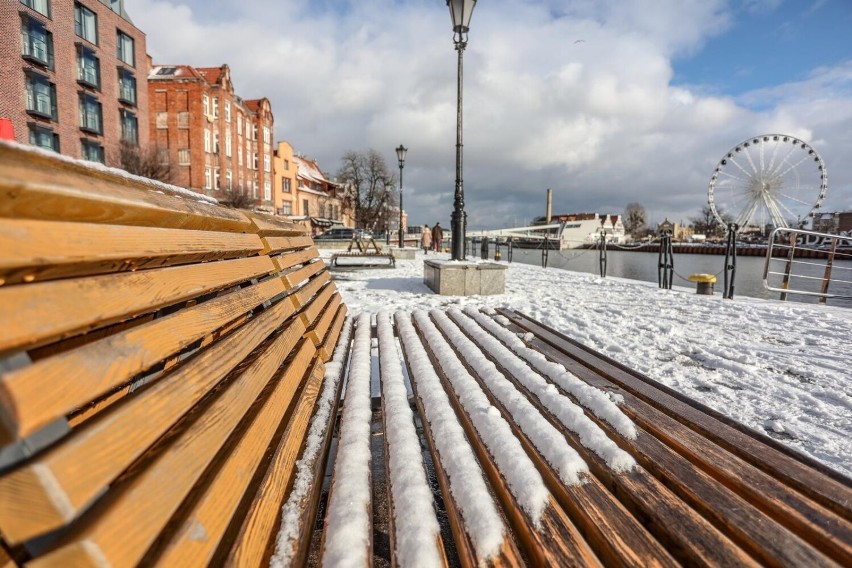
(160,359)
(500,441)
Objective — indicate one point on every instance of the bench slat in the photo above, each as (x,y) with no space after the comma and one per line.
(211,514)
(303,296)
(326,349)
(34,395)
(43,250)
(52,490)
(318,304)
(275,245)
(319,330)
(66,307)
(253,543)
(122,531)
(294,278)
(289,260)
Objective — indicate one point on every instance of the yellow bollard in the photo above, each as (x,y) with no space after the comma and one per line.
(704,283)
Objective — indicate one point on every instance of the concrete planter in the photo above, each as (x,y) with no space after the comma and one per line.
(453,278)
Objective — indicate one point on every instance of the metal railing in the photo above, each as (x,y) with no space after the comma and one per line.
(810,264)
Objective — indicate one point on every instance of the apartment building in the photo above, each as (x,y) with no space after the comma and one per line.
(216,143)
(73,76)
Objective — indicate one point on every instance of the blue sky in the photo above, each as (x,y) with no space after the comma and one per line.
(641,110)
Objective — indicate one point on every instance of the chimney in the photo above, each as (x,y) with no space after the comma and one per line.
(549,206)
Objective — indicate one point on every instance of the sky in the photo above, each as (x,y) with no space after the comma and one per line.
(780,368)
(606,102)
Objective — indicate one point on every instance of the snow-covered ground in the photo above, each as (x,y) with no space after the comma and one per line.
(781,368)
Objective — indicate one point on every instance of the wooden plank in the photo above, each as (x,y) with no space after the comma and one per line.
(122,531)
(326,349)
(318,332)
(253,544)
(291,259)
(509,555)
(39,186)
(828,490)
(306,292)
(34,395)
(53,489)
(269,225)
(294,278)
(41,250)
(212,512)
(310,314)
(274,245)
(35,314)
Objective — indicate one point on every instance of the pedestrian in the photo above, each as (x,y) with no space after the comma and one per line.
(437,237)
(426,239)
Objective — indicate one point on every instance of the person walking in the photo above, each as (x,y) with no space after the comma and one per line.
(426,239)
(437,237)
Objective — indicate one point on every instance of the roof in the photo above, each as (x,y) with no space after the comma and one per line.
(308,169)
(171,72)
(211,74)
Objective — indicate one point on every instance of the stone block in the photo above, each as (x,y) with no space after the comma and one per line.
(453,278)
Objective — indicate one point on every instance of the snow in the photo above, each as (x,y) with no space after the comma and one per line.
(326,404)
(349,514)
(780,368)
(416,529)
(467,485)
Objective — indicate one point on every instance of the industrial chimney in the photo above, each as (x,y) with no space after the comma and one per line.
(549,206)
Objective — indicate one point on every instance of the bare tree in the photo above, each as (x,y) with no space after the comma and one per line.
(147,162)
(707,223)
(368,175)
(634,218)
(237,200)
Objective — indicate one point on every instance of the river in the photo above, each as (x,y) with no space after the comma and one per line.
(748,281)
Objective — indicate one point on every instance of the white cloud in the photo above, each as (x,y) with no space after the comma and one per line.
(597,120)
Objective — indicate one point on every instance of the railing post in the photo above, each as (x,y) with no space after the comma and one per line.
(510,249)
(665,269)
(788,270)
(602,258)
(730,261)
(826,277)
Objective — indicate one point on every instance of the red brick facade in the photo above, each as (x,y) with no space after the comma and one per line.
(42,78)
(216,141)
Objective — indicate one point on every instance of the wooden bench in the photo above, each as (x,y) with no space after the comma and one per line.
(479,416)
(160,360)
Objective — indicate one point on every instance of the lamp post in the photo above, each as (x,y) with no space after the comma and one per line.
(400,154)
(460,11)
(387,216)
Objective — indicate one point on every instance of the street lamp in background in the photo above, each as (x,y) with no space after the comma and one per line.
(386,199)
(460,11)
(400,154)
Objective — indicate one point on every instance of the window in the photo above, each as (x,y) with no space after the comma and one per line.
(267,190)
(227,111)
(206,140)
(126,86)
(254,132)
(36,42)
(215,107)
(205,104)
(125,49)
(91,115)
(115,6)
(266,135)
(228,144)
(85,23)
(183,119)
(254,167)
(215,142)
(286,208)
(88,67)
(306,210)
(163,154)
(91,150)
(239,155)
(322,210)
(183,157)
(267,163)
(287,188)
(43,137)
(129,126)
(41,96)
(208,176)
(248,129)
(40,6)
(239,124)
(216,179)
(162,120)
(229,180)
(254,189)
(286,164)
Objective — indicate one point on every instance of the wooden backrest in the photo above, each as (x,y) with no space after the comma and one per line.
(160,357)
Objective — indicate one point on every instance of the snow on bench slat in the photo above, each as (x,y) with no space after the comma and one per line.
(469,491)
(591,435)
(416,529)
(592,398)
(348,531)
(524,480)
(322,420)
(544,436)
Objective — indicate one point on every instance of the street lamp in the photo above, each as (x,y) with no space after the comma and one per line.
(400,154)
(387,215)
(460,11)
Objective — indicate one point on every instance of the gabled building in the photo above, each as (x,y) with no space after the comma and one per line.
(73,76)
(216,142)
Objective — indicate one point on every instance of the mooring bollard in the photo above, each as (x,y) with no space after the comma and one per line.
(704,283)
(496,251)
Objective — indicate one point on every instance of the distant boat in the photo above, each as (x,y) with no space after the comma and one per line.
(569,231)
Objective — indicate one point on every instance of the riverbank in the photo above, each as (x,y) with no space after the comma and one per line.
(779,368)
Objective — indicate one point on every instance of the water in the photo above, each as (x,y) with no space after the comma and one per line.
(808,273)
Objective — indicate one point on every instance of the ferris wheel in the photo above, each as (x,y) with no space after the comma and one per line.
(773,179)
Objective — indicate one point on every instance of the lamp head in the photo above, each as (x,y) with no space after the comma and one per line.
(460,12)
(400,154)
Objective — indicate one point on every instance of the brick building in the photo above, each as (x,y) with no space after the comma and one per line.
(217,143)
(73,76)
